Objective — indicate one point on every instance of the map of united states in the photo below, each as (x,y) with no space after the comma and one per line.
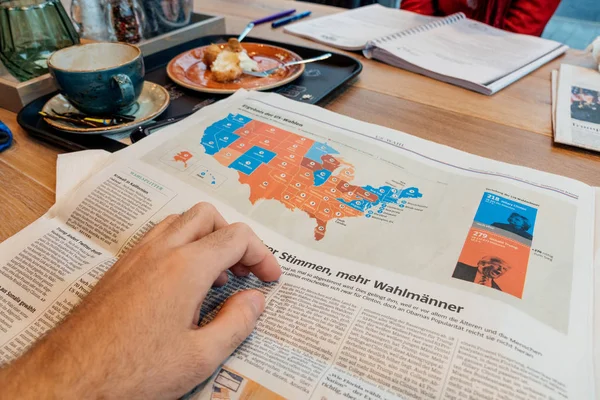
(299,172)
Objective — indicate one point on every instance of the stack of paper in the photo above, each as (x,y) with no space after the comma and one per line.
(576,106)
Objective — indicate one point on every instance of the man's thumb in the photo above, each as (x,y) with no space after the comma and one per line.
(231,326)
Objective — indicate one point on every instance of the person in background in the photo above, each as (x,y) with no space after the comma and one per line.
(520,16)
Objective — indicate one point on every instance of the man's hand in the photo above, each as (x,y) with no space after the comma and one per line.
(136,334)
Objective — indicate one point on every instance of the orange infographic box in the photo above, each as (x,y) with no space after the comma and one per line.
(493,260)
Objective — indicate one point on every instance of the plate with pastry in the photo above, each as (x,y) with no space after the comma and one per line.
(219,68)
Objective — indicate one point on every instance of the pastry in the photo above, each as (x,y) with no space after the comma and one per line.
(227,63)
(235,45)
(226,67)
(210,54)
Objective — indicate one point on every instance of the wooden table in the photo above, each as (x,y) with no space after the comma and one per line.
(513,126)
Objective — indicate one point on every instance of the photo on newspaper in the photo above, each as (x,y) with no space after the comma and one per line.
(578,107)
(411,270)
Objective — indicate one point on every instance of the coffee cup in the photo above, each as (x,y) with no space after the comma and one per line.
(99,78)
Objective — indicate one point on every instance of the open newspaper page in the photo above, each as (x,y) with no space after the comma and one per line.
(578,107)
(411,270)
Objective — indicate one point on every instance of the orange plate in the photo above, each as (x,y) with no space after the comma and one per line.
(188,70)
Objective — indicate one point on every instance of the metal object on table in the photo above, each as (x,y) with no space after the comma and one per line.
(264,74)
(163,16)
(30,31)
(246,31)
(90,18)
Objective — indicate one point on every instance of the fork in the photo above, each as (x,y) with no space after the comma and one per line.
(264,74)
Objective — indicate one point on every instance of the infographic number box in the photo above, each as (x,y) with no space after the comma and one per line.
(496,251)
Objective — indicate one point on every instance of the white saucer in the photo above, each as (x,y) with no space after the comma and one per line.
(153,100)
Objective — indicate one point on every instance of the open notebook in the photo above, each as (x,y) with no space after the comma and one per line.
(453,49)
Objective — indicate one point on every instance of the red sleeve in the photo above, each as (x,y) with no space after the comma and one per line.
(424,7)
(529,16)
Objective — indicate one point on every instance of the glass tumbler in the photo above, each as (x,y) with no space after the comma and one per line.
(30,31)
(127,19)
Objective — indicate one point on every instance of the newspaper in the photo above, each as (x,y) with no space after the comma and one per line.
(577,107)
(419,272)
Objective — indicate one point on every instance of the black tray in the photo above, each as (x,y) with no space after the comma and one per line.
(320,82)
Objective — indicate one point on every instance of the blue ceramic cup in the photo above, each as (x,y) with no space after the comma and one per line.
(99,78)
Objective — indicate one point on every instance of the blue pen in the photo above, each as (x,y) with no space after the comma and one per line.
(287,20)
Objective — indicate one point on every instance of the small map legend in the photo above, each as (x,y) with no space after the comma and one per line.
(209,177)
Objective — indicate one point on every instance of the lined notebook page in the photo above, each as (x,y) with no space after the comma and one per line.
(351,30)
(469,50)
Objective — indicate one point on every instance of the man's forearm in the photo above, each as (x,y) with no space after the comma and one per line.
(35,375)
(61,365)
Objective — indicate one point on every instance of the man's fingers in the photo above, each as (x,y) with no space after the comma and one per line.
(158,229)
(240,270)
(231,326)
(221,279)
(197,222)
(121,267)
(207,258)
